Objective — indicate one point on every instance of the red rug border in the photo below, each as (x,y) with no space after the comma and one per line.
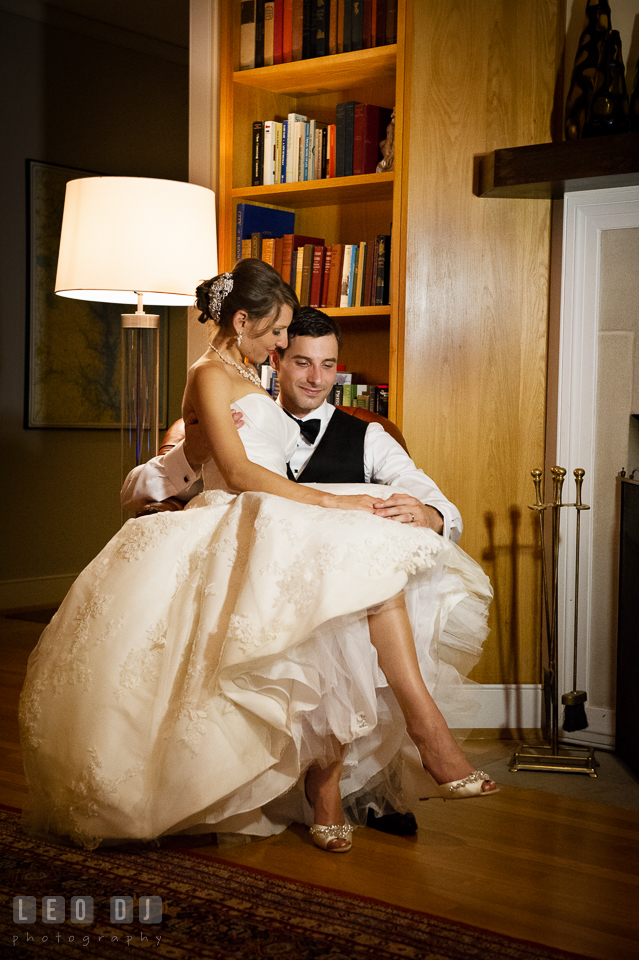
(517,941)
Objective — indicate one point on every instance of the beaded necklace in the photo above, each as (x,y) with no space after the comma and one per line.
(244,370)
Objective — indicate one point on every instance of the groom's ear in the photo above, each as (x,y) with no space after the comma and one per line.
(275,360)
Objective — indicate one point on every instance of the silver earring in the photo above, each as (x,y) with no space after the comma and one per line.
(239,339)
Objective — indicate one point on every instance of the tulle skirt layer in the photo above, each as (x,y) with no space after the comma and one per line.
(204,659)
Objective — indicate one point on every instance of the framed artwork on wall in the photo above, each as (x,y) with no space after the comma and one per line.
(74,351)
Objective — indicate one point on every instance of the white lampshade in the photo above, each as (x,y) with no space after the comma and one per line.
(122,235)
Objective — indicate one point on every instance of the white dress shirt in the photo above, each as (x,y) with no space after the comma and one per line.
(385,461)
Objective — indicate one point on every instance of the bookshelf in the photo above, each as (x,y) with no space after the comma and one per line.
(342,210)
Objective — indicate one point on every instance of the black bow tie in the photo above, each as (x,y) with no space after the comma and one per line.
(308,428)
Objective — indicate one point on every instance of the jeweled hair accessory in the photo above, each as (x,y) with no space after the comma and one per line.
(220,289)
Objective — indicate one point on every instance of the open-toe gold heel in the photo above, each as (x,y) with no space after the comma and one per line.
(470,786)
(322,836)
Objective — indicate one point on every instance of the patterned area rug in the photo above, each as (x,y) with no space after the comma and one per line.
(212,909)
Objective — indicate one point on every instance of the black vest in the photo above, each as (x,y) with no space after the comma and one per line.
(339,456)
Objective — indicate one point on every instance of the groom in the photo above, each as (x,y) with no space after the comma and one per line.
(333,447)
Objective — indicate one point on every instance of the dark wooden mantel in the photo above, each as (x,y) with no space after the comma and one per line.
(546,171)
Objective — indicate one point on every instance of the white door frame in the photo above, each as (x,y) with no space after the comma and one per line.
(586,215)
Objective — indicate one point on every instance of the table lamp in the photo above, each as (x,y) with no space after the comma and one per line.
(128,239)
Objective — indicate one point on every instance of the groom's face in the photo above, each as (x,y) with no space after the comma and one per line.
(306,373)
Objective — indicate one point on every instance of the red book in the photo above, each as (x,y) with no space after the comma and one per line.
(373,23)
(278,19)
(373,279)
(279,252)
(380,23)
(287,31)
(298,29)
(340,26)
(368,27)
(335,279)
(319,255)
(325,280)
(369,127)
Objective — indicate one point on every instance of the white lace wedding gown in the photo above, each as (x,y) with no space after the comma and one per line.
(198,664)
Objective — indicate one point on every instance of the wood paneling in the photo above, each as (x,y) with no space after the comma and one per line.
(477,280)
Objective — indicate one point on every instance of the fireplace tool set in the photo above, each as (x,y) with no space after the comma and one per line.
(553,757)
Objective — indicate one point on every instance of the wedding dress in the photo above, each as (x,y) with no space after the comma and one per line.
(200,662)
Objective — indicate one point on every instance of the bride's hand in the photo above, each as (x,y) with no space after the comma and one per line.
(355,502)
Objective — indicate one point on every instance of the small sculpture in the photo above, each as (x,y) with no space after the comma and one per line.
(387,146)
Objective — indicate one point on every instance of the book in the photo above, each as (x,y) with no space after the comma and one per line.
(293,270)
(324,153)
(382,399)
(268,250)
(259,33)
(278,153)
(367,289)
(346,275)
(295,123)
(348,23)
(279,249)
(257,154)
(332,27)
(287,31)
(337,395)
(328,257)
(340,26)
(349,134)
(352,277)
(367,24)
(361,270)
(369,128)
(307,16)
(246,249)
(391,21)
(284,151)
(297,29)
(330,169)
(380,24)
(335,278)
(307,268)
(382,277)
(340,120)
(256,245)
(373,23)
(357,25)
(251,218)
(299,272)
(319,28)
(269,152)
(269,24)
(317,276)
(247,35)
(278,17)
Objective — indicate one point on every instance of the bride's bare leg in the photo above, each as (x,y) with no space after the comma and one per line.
(323,794)
(392,637)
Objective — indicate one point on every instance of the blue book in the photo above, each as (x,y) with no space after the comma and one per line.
(351,285)
(251,218)
(307,144)
(284,149)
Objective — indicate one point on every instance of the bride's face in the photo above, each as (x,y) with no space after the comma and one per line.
(258,344)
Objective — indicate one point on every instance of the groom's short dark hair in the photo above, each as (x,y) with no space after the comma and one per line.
(310,322)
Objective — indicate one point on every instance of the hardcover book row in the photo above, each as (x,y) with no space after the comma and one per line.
(369,396)
(280,31)
(299,149)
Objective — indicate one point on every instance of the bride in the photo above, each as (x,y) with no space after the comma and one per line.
(222,667)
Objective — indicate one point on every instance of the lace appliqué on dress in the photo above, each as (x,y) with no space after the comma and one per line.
(137,536)
(143,666)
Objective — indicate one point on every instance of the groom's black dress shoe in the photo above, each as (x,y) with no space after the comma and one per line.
(398,824)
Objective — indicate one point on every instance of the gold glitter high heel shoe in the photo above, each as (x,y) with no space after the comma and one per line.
(322,836)
(468,787)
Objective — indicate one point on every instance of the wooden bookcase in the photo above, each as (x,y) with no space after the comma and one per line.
(342,210)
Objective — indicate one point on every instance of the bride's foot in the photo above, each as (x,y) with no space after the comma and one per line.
(443,759)
(329,832)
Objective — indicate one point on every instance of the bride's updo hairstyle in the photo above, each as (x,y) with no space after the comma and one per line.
(252,286)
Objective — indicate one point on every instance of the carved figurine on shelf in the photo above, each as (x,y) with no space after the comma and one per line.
(582,81)
(609,111)
(387,146)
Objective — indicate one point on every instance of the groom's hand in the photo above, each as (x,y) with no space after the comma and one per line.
(407,509)
(196,448)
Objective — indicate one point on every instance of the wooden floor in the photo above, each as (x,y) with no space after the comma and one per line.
(533,865)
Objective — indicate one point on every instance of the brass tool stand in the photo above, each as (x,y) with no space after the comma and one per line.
(552,757)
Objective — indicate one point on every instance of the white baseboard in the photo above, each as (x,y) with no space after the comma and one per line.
(518,707)
(34,591)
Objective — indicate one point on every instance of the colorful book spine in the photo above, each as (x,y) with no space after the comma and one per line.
(328,258)
(284,151)
(297,29)
(317,275)
(278,153)
(346,275)
(278,20)
(269,153)
(357,25)
(259,33)
(361,270)
(349,134)
(287,31)
(257,154)
(352,278)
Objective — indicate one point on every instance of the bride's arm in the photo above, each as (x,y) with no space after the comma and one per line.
(209,392)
